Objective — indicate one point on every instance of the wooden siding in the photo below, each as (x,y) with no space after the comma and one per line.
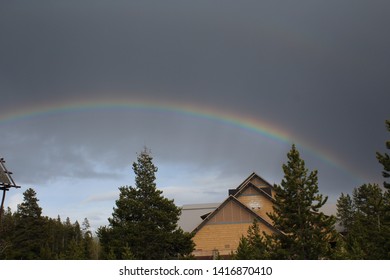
(231,213)
(222,230)
(251,198)
(222,237)
(258,182)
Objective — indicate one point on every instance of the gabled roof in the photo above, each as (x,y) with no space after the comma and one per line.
(250,177)
(235,200)
(259,190)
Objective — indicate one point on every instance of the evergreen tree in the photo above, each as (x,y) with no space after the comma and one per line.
(244,250)
(253,246)
(7,228)
(364,219)
(384,159)
(86,227)
(29,236)
(29,207)
(345,211)
(144,222)
(88,243)
(307,232)
(127,254)
(368,200)
(26,234)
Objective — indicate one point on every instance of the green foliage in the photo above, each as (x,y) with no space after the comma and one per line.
(7,227)
(127,254)
(29,234)
(29,207)
(384,159)
(144,221)
(364,218)
(253,246)
(345,211)
(26,234)
(307,232)
(90,250)
(244,250)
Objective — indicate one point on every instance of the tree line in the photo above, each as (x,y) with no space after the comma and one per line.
(27,235)
(144,224)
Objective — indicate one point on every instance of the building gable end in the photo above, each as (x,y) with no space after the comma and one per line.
(243,215)
(252,188)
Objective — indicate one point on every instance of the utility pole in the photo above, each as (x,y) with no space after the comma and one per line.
(6,182)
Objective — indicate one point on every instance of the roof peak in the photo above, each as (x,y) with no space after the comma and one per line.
(250,177)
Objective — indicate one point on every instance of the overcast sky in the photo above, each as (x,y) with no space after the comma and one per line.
(315,71)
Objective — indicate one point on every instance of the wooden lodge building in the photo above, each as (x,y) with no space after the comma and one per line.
(220,227)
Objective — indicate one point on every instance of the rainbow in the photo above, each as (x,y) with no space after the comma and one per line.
(241,121)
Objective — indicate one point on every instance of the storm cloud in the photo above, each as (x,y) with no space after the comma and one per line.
(317,70)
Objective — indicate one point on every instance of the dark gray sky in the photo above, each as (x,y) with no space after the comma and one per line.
(317,70)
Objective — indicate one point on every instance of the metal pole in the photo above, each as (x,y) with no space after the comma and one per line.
(6,183)
(2,204)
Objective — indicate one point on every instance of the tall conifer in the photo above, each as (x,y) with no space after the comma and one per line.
(384,159)
(29,232)
(307,232)
(144,222)
(364,220)
(253,246)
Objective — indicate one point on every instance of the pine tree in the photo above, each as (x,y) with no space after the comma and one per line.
(87,243)
(307,232)
(29,236)
(7,228)
(144,221)
(368,200)
(345,211)
(127,254)
(364,216)
(244,250)
(384,159)
(29,207)
(26,234)
(253,246)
